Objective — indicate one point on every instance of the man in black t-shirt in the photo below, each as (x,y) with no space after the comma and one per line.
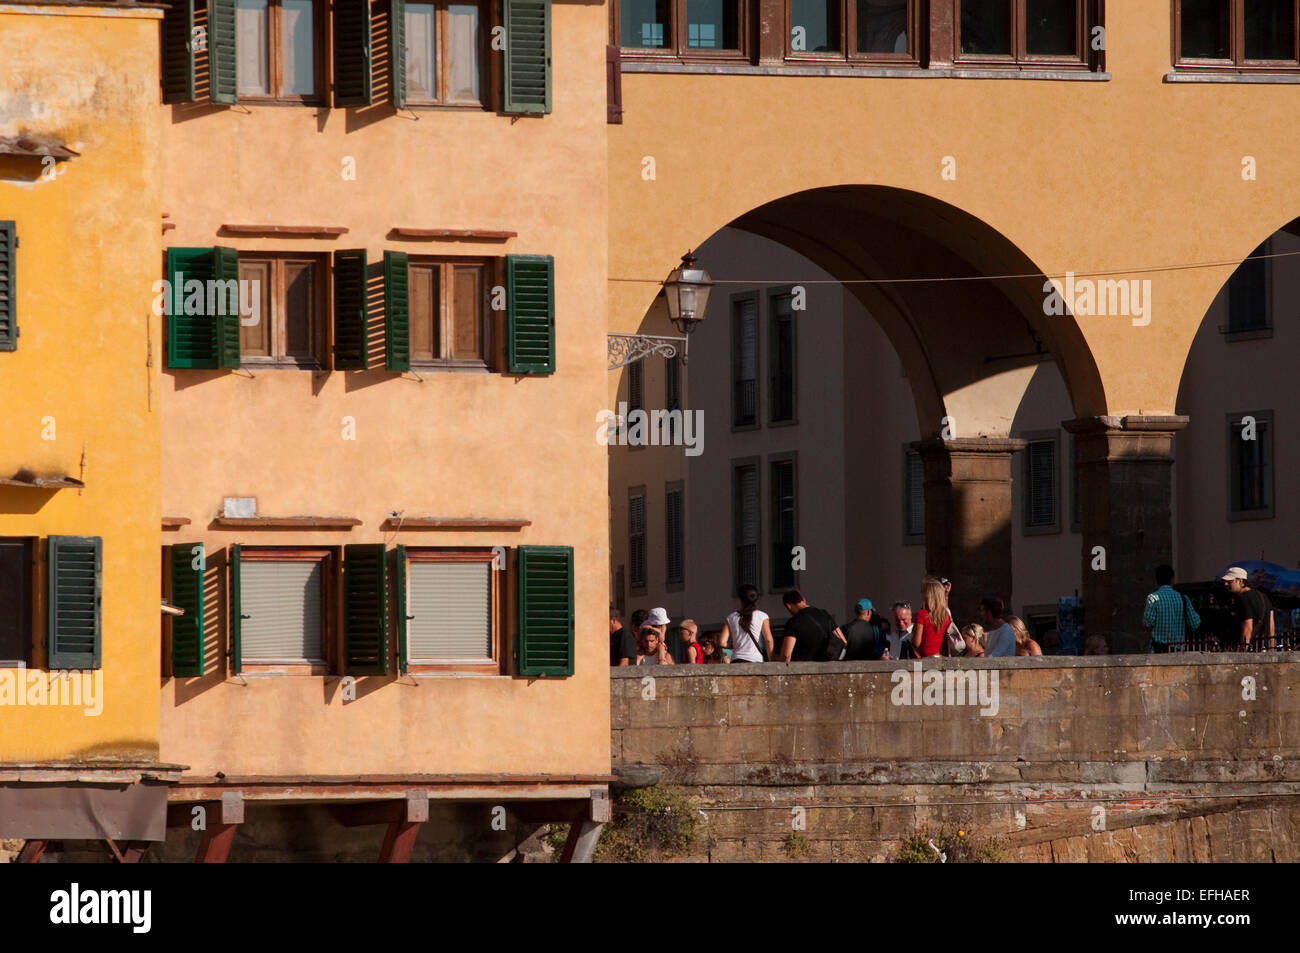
(622,643)
(809,633)
(866,638)
(1254,612)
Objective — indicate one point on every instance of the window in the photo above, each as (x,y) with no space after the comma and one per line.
(284,608)
(16,555)
(8,294)
(453,611)
(781,359)
(277,49)
(1250,465)
(636,386)
(1041,483)
(865,30)
(75,577)
(1250,294)
(673,383)
(745,522)
(1076,512)
(448,312)
(744,361)
(1237,35)
(1038,33)
(784,522)
(636,538)
(287,325)
(913,497)
(445,54)
(674,536)
(710,29)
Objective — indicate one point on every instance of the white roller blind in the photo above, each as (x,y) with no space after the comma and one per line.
(282,603)
(451,609)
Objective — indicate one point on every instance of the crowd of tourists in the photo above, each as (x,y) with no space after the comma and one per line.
(811,634)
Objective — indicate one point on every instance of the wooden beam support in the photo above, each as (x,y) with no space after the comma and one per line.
(399,838)
(215,846)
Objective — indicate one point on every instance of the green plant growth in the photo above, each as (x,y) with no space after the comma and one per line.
(795,844)
(649,824)
(956,846)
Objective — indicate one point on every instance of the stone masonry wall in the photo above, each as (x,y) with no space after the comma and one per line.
(1098,758)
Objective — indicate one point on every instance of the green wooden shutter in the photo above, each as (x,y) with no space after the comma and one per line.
(397,52)
(351,311)
(365,609)
(178,53)
(353,82)
(187,593)
(399,578)
(236,614)
(545,610)
(75,571)
(202,340)
(8,292)
(225,267)
(528,56)
(530,313)
(223,80)
(397,318)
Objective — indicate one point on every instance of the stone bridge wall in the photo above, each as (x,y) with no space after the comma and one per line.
(1187,758)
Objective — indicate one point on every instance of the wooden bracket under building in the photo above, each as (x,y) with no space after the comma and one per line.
(403,818)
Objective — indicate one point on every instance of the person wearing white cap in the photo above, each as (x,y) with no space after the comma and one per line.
(1254,610)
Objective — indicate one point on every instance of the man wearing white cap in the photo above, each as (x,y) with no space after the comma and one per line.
(1255,611)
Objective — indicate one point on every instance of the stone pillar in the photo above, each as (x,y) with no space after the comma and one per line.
(1125,495)
(968,517)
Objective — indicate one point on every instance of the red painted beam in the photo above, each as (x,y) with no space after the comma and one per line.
(398,841)
(215,846)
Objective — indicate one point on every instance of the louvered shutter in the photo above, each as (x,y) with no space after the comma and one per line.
(636,540)
(449,608)
(204,340)
(1040,489)
(225,270)
(673,530)
(178,53)
(545,610)
(399,586)
(353,80)
(915,494)
(8,285)
(280,611)
(528,56)
(365,609)
(351,320)
(397,52)
(236,613)
(530,312)
(749,525)
(187,564)
(223,76)
(397,316)
(75,576)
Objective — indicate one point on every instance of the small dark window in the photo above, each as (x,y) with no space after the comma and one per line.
(15,601)
(675,537)
(744,362)
(1237,34)
(913,496)
(781,359)
(745,523)
(1250,461)
(682,28)
(1248,292)
(784,524)
(636,386)
(1041,482)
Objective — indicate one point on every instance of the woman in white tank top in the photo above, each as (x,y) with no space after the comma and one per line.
(749,640)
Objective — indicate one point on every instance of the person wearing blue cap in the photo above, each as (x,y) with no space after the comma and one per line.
(866,639)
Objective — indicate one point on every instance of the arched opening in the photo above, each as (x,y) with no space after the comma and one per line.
(881,392)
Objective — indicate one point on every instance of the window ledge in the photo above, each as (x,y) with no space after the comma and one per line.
(296,231)
(454,523)
(1052,529)
(466,234)
(1187,76)
(44,483)
(881,72)
(1254,334)
(286,522)
(175,522)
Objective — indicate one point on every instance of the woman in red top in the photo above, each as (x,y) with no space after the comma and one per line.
(687,631)
(932,621)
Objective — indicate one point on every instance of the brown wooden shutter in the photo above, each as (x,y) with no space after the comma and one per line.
(613,85)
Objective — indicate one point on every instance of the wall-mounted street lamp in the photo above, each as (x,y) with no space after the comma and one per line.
(686,290)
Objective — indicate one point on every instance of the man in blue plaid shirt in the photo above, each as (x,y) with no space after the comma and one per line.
(1168,613)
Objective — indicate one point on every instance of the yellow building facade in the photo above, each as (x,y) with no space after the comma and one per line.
(80,200)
